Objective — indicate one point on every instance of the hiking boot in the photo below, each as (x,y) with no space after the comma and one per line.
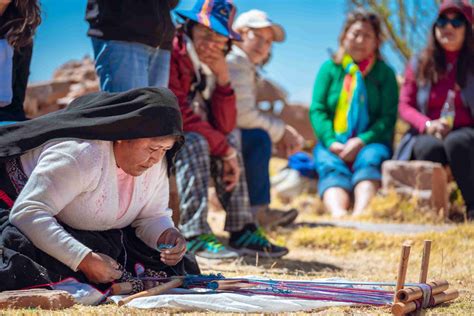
(251,240)
(207,246)
(269,218)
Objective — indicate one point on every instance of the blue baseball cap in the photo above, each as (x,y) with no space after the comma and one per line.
(218,15)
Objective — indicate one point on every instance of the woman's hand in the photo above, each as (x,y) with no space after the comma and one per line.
(336,148)
(438,128)
(351,149)
(100,268)
(215,60)
(172,256)
(231,169)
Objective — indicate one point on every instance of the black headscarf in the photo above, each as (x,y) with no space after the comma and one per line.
(138,113)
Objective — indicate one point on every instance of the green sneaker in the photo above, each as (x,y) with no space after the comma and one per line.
(251,240)
(207,246)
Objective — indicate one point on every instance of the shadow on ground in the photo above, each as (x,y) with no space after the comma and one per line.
(289,265)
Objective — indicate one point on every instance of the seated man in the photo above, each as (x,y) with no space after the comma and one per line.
(200,79)
(259,130)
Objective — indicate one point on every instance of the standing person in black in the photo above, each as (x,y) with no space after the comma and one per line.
(131,41)
(18,22)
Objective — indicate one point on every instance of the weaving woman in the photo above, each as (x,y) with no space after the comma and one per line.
(84,191)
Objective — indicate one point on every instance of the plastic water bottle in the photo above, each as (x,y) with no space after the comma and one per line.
(448,112)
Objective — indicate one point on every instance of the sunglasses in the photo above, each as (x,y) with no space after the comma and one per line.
(456,22)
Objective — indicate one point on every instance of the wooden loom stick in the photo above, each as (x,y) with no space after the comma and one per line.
(412,293)
(153,291)
(402,269)
(425,261)
(400,309)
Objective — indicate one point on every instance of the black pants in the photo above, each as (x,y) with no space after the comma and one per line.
(457,151)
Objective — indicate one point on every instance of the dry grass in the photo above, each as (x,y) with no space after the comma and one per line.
(354,255)
(320,252)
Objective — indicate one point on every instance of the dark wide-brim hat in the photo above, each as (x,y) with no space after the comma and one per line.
(133,114)
(218,15)
(463,7)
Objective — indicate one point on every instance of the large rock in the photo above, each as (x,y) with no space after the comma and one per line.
(36,298)
(70,81)
(423,179)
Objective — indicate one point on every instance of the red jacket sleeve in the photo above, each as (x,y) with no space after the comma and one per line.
(224,109)
(407,103)
(180,82)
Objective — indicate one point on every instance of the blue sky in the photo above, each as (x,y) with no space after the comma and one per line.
(312,28)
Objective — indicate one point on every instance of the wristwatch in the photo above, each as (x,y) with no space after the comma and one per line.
(427,125)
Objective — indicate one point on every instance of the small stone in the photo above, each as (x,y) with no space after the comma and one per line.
(36,298)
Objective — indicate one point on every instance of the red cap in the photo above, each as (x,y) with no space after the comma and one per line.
(462,6)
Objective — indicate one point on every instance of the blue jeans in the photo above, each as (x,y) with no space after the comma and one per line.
(123,65)
(334,172)
(257,151)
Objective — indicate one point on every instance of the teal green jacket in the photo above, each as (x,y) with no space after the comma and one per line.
(382,94)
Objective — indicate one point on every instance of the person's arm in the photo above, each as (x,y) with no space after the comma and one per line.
(224,111)
(407,104)
(321,116)
(155,216)
(248,115)
(191,122)
(381,131)
(55,181)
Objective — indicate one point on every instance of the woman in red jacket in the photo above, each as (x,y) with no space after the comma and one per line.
(437,98)
(200,79)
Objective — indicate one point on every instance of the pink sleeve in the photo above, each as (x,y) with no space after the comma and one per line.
(407,102)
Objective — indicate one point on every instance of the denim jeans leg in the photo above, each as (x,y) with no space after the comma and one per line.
(332,170)
(257,151)
(121,65)
(368,163)
(159,73)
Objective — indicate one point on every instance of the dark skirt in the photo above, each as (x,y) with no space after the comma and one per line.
(22,265)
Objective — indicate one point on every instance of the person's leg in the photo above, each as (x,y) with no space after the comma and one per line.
(256,153)
(364,191)
(367,174)
(429,148)
(334,184)
(159,73)
(235,203)
(460,152)
(193,171)
(192,177)
(337,201)
(245,236)
(121,65)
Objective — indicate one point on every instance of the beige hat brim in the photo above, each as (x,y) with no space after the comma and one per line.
(278,31)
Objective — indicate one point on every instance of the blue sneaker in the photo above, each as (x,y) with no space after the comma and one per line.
(207,246)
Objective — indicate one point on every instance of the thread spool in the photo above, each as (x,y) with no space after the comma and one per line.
(412,293)
(399,309)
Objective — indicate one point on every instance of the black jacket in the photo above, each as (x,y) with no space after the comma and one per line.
(143,21)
